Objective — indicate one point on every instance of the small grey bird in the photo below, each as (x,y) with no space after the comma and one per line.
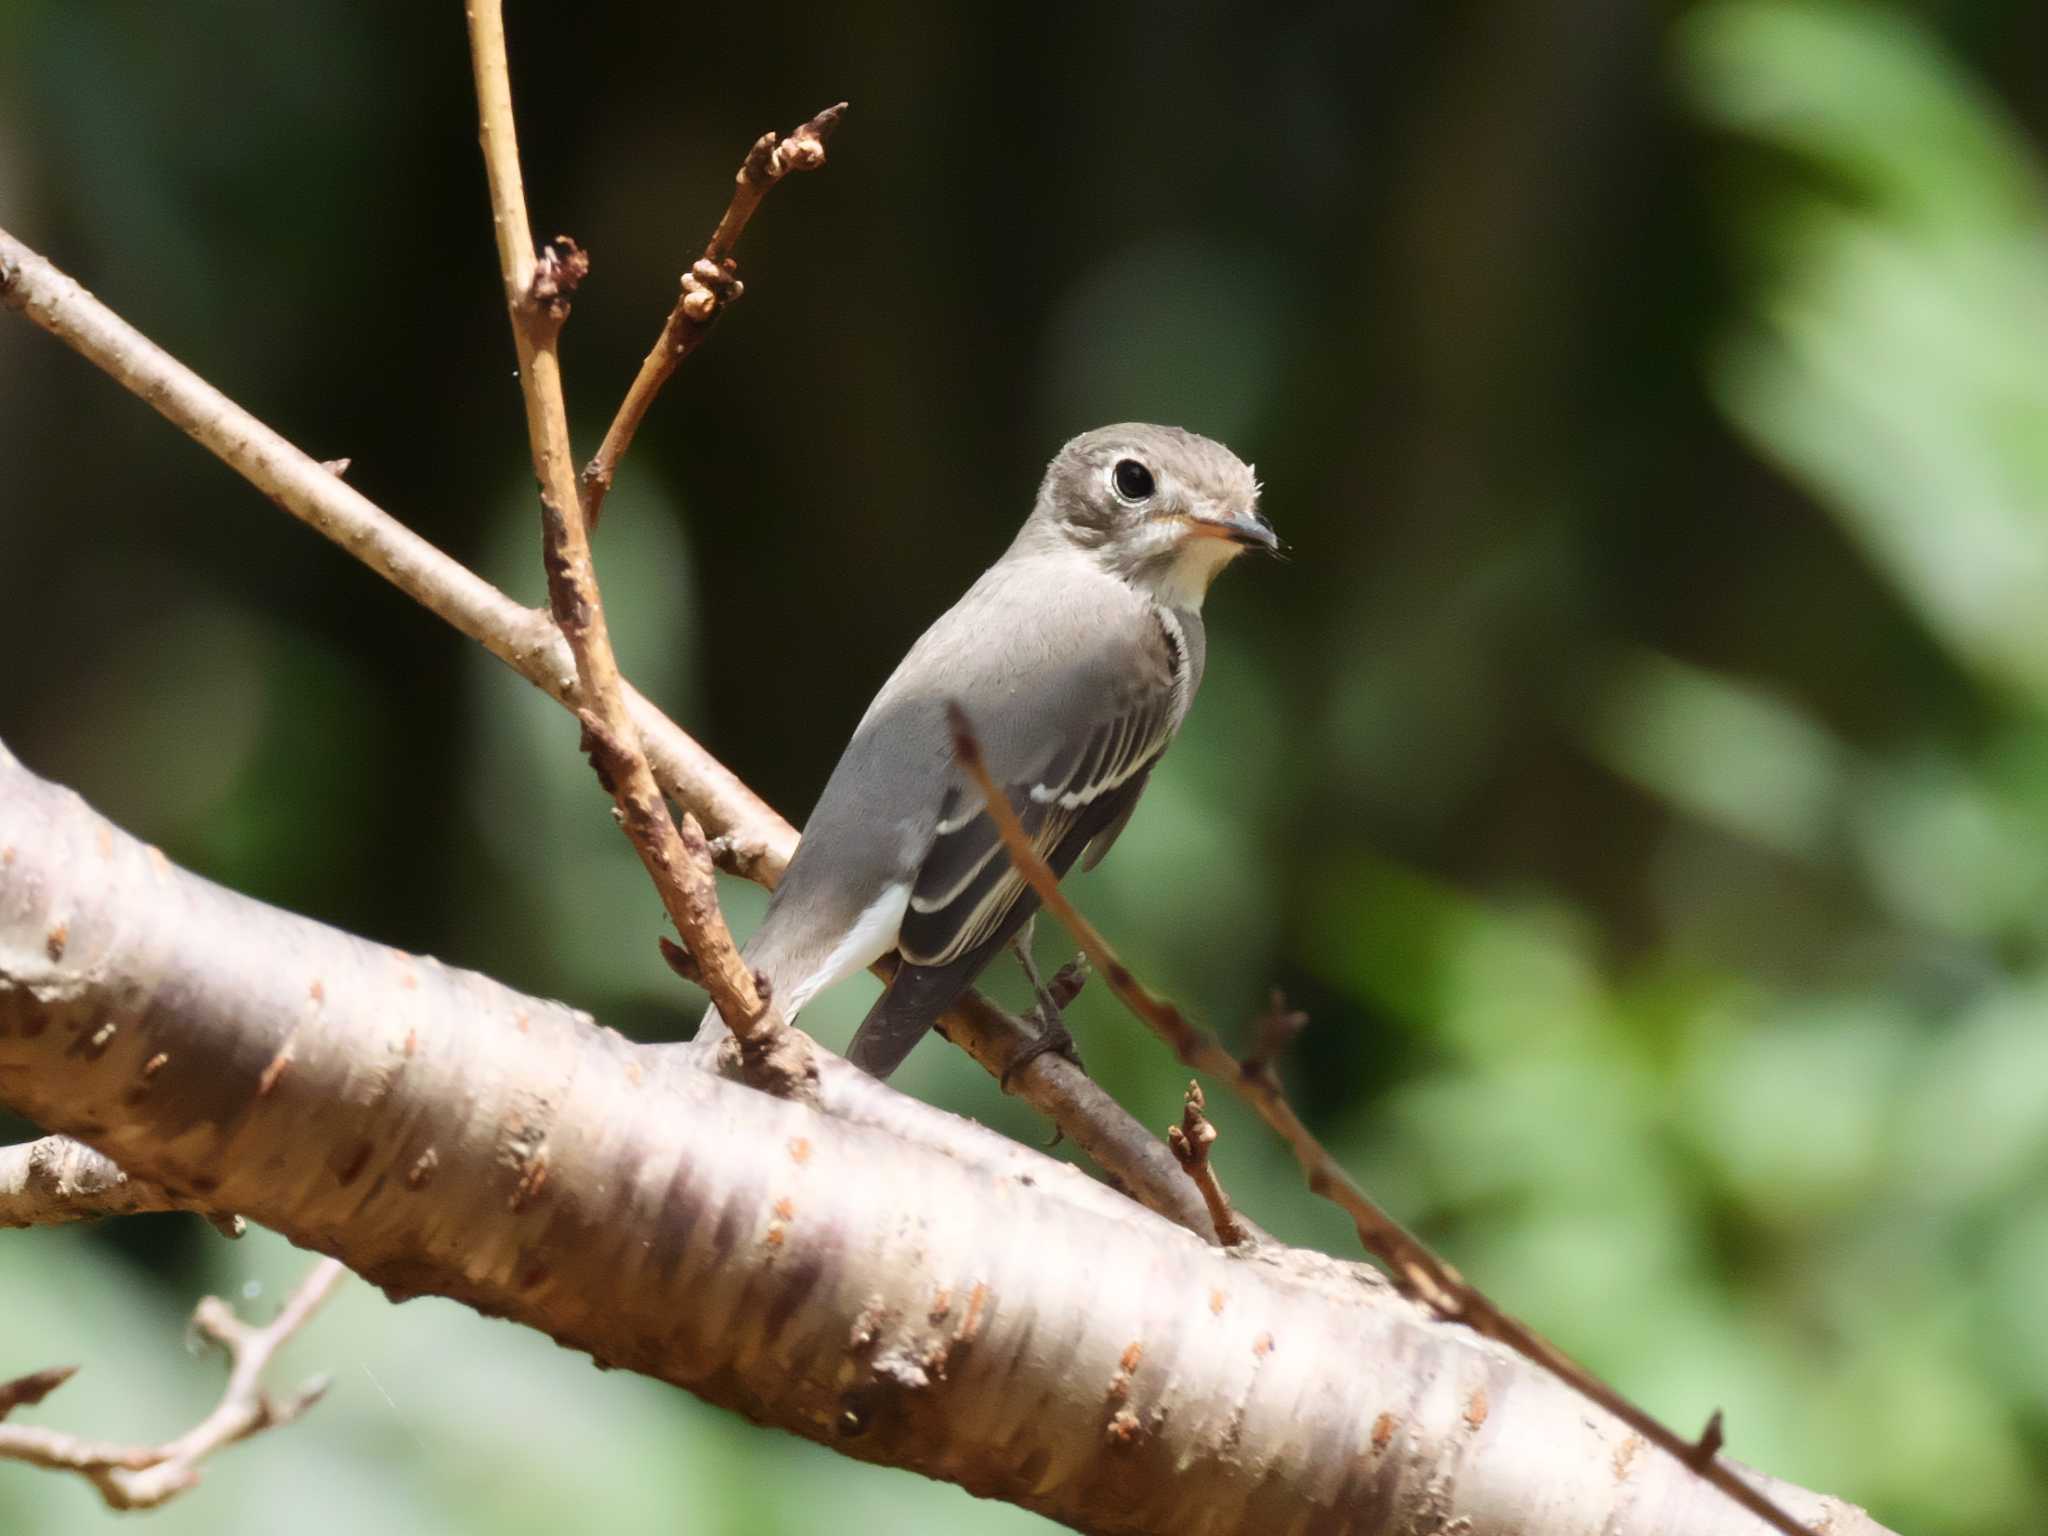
(1075,657)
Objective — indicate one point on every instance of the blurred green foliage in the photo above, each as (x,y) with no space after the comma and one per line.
(1641,772)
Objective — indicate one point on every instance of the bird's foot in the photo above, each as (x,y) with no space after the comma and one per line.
(1053,1036)
(1052,1002)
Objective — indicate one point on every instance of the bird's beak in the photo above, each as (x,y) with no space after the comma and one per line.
(1253,532)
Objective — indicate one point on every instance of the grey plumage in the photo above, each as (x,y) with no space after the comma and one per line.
(1075,656)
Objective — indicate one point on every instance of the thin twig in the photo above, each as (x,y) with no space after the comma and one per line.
(27,1391)
(537,290)
(750,838)
(1416,1269)
(708,289)
(1191,1141)
(144,1476)
(56,1179)
(1703,1450)
(1272,1034)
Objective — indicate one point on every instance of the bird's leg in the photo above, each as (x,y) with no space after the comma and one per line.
(1052,1030)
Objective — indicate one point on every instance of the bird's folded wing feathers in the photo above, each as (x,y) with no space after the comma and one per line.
(1089,769)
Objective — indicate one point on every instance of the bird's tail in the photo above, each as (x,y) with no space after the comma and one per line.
(918,994)
(908,1006)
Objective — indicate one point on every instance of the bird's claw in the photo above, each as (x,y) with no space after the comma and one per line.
(1053,1036)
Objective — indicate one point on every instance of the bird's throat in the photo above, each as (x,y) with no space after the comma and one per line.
(1179,577)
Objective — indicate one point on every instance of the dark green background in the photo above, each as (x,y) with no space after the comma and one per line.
(1640,772)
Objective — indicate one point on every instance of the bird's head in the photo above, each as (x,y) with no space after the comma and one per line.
(1161,508)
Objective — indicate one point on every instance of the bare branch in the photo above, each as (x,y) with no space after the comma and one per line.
(710,286)
(753,841)
(54,1180)
(1416,1269)
(773,1055)
(144,1476)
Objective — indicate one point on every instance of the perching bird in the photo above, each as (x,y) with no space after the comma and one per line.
(1074,657)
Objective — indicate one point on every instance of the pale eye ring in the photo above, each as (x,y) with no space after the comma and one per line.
(1131,481)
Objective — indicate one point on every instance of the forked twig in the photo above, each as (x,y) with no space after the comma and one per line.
(1416,1269)
(710,287)
(537,291)
(144,1476)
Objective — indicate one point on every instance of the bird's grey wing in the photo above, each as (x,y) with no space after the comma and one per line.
(1100,844)
(1187,645)
(918,994)
(1070,713)
(1071,757)
(1096,749)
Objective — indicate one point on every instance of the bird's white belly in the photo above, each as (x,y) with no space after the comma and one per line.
(872,936)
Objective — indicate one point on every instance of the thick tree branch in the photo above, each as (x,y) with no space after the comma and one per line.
(1417,1269)
(750,838)
(989,1317)
(144,1476)
(710,286)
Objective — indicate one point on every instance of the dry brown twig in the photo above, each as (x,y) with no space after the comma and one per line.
(144,1476)
(27,1391)
(710,286)
(1190,1142)
(772,1055)
(1415,1268)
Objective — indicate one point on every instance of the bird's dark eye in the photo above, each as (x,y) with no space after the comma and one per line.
(1133,480)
